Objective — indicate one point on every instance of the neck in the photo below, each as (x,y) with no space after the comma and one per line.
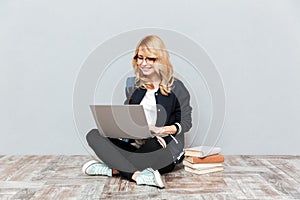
(155,80)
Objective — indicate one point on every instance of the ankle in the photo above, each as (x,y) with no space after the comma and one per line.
(115,172)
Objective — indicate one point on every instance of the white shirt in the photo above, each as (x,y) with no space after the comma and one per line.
(149,105)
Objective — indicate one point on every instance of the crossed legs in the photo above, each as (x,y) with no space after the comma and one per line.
(127,159)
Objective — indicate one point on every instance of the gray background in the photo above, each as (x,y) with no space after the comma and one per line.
(254,44)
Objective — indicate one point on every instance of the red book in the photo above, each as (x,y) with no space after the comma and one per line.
(217,158)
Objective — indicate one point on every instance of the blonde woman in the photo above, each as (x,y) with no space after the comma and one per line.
(166,103)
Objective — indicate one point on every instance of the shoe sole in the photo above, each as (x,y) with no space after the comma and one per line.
(158,179)
(86,165)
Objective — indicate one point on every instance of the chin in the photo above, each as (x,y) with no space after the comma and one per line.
(148,73)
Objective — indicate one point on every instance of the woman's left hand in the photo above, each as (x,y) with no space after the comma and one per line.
(163,131)
(157,131)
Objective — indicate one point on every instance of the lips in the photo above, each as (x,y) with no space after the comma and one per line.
(146,68)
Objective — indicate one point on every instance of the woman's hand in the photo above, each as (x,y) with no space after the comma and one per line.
(157,131)
(163,131)
(160,132)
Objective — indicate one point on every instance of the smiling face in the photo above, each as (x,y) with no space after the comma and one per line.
(145,62)
(151,64)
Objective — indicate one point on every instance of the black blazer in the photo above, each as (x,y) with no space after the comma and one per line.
(170,109)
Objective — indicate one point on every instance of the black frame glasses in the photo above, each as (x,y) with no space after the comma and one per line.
(149,60)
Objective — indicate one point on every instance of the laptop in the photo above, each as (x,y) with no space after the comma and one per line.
(121,121)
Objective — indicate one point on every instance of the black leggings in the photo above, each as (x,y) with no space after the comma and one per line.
(126,158)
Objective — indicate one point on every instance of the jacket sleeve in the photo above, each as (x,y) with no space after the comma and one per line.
(183,109)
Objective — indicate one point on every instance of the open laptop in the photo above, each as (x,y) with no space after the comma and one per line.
(121,121)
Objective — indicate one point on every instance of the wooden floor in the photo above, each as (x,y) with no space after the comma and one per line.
(60,177)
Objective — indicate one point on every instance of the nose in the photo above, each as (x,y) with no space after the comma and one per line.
(144,61)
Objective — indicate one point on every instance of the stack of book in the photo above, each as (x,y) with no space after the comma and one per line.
(203,159)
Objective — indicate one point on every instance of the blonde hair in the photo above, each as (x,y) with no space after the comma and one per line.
(153,45)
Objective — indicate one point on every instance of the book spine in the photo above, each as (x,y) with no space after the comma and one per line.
(209,159)
(195,171)
(200,166)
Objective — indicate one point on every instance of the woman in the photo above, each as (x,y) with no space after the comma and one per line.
(166,103)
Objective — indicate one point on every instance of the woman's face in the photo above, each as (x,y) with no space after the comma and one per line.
(146,63)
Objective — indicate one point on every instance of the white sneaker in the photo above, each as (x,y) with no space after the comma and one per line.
(150,177)
(95,167)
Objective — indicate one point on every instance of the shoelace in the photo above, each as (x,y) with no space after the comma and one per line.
(149,176)
(149,179)
(97,168)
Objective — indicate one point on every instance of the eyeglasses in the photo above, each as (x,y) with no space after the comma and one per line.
(149,60)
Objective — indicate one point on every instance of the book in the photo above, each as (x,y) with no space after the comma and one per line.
(201,165)
(216,158)
(203,171)
(201,151)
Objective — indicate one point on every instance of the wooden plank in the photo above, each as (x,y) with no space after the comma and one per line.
(60,177)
